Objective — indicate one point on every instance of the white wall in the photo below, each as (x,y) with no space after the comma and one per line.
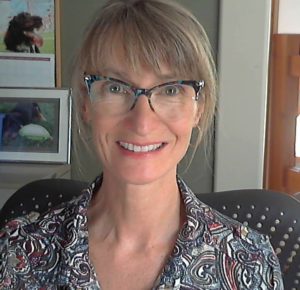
(243,71)
(289,16)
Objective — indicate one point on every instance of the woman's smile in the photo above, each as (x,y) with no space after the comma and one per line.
(136,148)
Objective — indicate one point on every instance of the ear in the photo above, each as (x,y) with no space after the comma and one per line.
(199,112)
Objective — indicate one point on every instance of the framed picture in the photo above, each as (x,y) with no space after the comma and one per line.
(35,125)
(30,43)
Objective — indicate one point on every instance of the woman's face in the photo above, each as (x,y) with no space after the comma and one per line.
(140,146)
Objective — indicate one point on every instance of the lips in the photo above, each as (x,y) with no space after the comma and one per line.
(139,148)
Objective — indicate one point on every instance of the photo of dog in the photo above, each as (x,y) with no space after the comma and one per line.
(22,114)
(22,33)
(35,124)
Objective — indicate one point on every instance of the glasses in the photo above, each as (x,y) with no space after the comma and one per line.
(169,100)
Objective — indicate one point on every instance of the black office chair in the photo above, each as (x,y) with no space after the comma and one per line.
(272,213)
(39,196)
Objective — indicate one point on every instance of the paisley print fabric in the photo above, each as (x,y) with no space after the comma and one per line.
(212,251)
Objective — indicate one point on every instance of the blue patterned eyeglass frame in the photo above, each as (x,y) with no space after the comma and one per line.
(196,85)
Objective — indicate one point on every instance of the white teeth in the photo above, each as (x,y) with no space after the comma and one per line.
(151,147)
(137,148)
(129,146)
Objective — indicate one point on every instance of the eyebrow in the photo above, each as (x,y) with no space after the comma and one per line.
(115,74)
(119,74)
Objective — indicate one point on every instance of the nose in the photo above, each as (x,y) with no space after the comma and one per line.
(142,118)
(142,93)
(142,105)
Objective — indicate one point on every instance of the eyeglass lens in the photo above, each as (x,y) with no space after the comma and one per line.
(171,101)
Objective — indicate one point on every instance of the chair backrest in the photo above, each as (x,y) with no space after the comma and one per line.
(272,213)
(39,196)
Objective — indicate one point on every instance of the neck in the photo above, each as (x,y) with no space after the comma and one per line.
(148,214)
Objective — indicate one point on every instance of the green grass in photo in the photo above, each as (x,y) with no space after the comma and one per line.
(6,107)
(2,45)
(48,46)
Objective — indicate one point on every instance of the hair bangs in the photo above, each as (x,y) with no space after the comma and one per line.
(142,43)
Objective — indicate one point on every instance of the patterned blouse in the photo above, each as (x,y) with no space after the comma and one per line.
(212,251)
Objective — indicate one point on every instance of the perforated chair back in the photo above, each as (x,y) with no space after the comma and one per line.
(39,196)
(272,213)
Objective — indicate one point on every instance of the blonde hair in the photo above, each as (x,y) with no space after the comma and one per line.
(152,33)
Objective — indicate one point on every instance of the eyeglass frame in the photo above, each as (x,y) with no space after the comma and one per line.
(89,79)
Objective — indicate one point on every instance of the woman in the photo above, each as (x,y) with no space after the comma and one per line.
(144,79)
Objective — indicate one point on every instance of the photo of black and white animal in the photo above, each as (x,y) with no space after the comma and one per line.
(22,114)
(22,33)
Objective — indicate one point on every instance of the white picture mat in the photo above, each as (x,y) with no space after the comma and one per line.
(63,154)
(27,70)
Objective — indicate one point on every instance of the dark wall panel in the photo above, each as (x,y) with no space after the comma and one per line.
(75,14)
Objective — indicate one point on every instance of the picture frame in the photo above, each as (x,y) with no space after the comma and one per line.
(30,51)
(35,125)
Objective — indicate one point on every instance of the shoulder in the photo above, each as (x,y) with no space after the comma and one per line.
(240,252)
(226,251)
(30,246)
(219,230)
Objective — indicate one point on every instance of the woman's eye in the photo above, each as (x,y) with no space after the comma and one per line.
(171,90)
(115,88)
